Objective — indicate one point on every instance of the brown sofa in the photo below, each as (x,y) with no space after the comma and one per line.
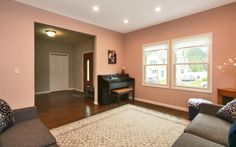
(206,130)
(28,131)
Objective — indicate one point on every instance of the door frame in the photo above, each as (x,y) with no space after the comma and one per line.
(50,82)
(85,52)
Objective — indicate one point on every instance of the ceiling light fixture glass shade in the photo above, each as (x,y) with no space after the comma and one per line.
(158,9)
(126,21)
(95,8)
(51,33)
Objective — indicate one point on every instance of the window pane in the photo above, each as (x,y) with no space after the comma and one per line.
(156,74)
(88,70)
(193,75)
(192,54)
(158,46)
(205,40)
(156,57)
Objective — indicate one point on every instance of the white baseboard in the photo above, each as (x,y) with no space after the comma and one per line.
(162,104)
(95,103)
(42,92)
(45,92)
(80,90)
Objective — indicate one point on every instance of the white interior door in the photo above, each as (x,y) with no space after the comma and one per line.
(59,79)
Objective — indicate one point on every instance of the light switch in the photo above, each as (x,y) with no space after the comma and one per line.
(17,71)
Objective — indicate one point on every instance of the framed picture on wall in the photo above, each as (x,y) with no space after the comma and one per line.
(111,57)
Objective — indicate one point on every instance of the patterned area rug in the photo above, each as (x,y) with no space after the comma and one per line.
(127,125)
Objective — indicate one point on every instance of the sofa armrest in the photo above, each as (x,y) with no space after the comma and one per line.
(210,109)
(24,114)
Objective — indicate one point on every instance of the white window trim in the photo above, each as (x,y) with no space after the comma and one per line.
(210,63)
(168,66)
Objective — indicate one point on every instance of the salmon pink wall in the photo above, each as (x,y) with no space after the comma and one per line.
(17,48)
(221,21)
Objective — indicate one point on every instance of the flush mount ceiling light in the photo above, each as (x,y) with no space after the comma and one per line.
(95,8)
(126,21)
(158,9)
(51,33)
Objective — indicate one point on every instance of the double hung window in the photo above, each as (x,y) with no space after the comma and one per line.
(191,63)
(156,64)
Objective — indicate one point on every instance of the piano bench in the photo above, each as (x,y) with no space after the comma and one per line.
(123,91)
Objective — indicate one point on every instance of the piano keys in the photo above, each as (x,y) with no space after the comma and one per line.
(107,83)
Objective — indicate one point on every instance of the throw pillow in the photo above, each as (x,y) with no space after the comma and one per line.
(228,111)
(6,116)
(232,136)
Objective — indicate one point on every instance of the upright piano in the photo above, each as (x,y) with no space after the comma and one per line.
(107,83)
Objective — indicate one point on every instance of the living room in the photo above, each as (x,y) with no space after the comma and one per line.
(214,22)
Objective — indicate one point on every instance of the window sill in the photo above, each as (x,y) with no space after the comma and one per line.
(155,85)
(192,89)
(179,88)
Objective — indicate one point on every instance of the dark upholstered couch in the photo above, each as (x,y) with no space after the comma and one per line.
(28,131)
(206,130)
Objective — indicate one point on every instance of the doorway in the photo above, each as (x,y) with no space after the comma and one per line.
(87,70)
(59,72)
(59,60)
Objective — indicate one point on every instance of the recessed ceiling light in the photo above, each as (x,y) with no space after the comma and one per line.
(95,8)
(126,21)
(51,33)
(158,9)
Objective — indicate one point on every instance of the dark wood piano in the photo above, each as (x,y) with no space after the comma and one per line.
(107,83)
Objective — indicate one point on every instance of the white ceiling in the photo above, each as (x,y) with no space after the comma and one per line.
(140,13)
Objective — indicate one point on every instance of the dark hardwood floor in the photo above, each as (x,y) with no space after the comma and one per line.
(60,108)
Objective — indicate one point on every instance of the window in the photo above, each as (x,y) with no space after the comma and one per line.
(155,64)
(192,63)
(87,71)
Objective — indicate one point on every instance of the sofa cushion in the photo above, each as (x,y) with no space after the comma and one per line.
(228,111)
(189,140)
(232,135)
(27,133)
(6,116)
(210,128)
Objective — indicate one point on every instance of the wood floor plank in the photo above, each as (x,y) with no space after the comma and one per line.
(60,108)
